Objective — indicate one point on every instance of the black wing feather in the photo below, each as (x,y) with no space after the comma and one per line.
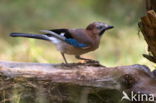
(59,31)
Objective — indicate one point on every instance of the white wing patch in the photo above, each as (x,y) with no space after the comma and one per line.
(62,34)
(54,34)
(55,40)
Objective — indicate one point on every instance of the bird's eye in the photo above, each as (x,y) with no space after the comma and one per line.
(100,27)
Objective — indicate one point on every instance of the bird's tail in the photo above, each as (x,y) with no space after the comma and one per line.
(36,36)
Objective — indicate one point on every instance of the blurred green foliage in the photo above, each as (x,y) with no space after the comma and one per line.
(120,46)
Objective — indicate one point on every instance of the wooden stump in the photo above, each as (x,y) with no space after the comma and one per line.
(148,27)
(151,5)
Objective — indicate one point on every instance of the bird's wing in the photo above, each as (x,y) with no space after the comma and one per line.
(82,36)
(65,35)
(66,32)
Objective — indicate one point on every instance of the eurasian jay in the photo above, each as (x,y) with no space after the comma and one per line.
(72,41)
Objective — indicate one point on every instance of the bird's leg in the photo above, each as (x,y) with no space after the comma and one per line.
(65,60)
(85,59)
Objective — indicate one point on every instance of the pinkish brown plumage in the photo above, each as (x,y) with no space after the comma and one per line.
(72,41)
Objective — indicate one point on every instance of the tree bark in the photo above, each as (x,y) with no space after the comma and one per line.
(151,5)
(72,83)
(147,26)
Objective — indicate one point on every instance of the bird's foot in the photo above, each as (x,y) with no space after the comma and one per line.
(88,61)
(91,61)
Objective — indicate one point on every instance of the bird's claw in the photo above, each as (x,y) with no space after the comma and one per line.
(90,61)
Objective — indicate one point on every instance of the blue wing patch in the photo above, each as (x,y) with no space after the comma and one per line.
(75,43)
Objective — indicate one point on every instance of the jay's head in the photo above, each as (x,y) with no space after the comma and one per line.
(98,27)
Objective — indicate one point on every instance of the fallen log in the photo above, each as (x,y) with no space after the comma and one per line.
(72,83)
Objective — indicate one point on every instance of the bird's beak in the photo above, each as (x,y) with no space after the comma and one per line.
(109,27)
(106,28)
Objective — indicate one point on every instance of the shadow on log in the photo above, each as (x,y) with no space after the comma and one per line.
(72,83)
